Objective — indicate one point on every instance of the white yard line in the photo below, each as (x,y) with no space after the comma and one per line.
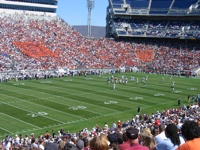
(87,93)
(6,130)
(78,121)
(26,109)
(44,107)
(66,99)
(79,101)
(20,120)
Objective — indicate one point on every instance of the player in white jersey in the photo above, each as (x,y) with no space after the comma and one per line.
(162,80)
(126,80)
(170,77)
(144,83)
(143,79)
(147,78)
(114,86)
(173,85)
(112,79)
(16,78)
(132,78)
(108,79)
(6,78)
(116,80)
(120,81)
(137,80)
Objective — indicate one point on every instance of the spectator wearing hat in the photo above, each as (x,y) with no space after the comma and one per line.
(133,139)
(113,141)
(191,133)
(32,135)
(16,139)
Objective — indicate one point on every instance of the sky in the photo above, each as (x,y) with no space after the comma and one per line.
(75,12)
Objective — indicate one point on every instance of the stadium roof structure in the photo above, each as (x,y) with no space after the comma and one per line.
(36,7)
(156,7)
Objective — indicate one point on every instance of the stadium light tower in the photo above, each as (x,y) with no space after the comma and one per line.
(90,6)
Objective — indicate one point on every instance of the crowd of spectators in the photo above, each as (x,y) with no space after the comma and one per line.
(169,58)
(158,131)
(29,43)
(159,28)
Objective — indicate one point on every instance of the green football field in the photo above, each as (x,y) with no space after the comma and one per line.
(73,103)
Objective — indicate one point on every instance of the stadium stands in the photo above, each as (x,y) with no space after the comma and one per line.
(43,43)
(141,13)
(161,28)
(40,42)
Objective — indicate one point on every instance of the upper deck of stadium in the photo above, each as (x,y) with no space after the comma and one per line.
(154,18)
(39,7)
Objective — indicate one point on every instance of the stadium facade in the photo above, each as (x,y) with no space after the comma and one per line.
(176,19)
(36,7)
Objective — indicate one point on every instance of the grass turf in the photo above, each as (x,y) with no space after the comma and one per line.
(73,103)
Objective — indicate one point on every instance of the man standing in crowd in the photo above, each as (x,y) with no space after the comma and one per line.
(162,80)
(191,133)
(139,109)
(188,99)
(173,85)
(179,102)
(160,137)
(114,86)
(132,135)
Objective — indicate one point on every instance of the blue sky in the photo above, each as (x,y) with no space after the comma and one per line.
(75,12)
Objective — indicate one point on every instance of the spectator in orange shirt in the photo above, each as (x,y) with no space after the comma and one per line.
(191,133)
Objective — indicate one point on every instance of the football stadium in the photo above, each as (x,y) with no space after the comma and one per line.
(63,89)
